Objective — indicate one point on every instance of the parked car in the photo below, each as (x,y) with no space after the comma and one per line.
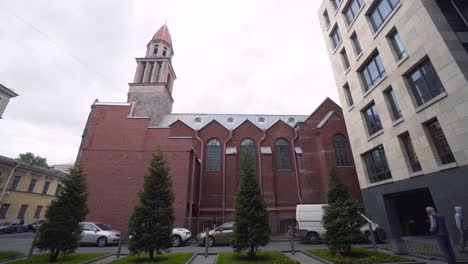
(34,226)
(99,234)
(179,236)
(9,227)
(309,218)
(219,236)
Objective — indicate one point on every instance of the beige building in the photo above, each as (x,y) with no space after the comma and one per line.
(29,189)
(5,95)
(401,71)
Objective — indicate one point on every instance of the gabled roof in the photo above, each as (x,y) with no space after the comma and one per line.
(8,91)
(230,121)
(163,34)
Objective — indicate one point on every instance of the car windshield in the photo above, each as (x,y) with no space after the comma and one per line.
(103,227)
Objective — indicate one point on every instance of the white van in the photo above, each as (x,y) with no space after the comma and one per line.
(310,227)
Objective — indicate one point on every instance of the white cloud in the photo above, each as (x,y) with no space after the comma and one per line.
(230,57)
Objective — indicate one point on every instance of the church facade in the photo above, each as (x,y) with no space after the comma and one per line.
(292,152)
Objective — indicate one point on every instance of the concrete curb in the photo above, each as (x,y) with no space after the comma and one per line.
(195,255)
(96,259)
(327,262)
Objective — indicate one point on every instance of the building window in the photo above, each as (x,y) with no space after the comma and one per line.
(14,183)
(391,97)
(335,37)
(155,50)
(164,51)
(213,155)
(456,14)
(58,190)
(344,58)
(352,10)
(326,18)
(342,155)
(261,119)
(230,120)
(197,120)
(150,72)
(397,44)
(143,69)
(372,71)
(247,147)
(291,120)
(349,97)
(381,11)
(376,164)
(45,190)
(336,3)
(4,211)
(159,71)
(32,184)
(440,142)
(410,152)
(356,44)
(425,82)
(372,119)
(22,211)
(283,155)
(37,213)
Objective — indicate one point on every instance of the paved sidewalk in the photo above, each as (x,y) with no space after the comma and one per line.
(302,258)
(200,259)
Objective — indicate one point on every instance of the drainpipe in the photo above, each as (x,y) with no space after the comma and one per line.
(299,195)
(202,146)
(8,181)
(260,175)
(192,187)
(224,172)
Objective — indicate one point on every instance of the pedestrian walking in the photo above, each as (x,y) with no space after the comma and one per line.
(460,226)
(439,229)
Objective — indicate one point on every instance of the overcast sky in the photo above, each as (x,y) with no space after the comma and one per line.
(258,57)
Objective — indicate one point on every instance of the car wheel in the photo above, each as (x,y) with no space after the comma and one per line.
(101,242)
(176,241)
(211,241)
(313,238)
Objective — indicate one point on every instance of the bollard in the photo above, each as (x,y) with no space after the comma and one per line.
(371,232)
(33,243)
(120,244)
(291,236)
(207,231)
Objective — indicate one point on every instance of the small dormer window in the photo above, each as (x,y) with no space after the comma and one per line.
(261,119)
(291,120)
(164,51)
(155,50)
(230,120)
(198,120)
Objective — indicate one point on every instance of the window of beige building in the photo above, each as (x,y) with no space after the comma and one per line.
(37,213)
(22,211)
(58,190)
(410,152)
(440,141)
(352,9)
(46,187)
(372,71)
(376,164)
(32,185)
(381,11)
(425,83)
(398,46)
(14,183)
(4,210)
(372,117)
(393,102)
(356,44)
(335,37)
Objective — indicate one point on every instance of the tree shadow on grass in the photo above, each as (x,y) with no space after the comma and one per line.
(156,259)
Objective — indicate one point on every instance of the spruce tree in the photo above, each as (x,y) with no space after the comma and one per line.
(341,218)
(251,227)
(61,232)
(153,217)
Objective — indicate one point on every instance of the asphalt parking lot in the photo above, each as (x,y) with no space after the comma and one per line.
(21,242)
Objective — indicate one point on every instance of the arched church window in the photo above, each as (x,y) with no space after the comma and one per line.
(155,50)
(248,148)
(230,120)
(164,51)
(342,155)
(283,155)
(213,155)
(291,120)
(261,119)
(197,120)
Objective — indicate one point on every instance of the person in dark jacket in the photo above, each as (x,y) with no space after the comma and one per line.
(439,229)
(460,226)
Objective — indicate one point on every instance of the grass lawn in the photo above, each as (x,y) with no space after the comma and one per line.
(263,257)
(68,259)
(9,254)
(169,258)
(359,255)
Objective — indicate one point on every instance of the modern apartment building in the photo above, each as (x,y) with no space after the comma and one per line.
(401,70)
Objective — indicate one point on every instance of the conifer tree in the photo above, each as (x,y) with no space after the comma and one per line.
(341,218)
(153,217)
(61,232)
(251,227)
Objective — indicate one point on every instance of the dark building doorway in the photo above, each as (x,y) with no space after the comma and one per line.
(410,210)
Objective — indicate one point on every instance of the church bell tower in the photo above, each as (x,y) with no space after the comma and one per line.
(151,90)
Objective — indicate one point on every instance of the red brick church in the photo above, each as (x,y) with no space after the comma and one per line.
(203,151)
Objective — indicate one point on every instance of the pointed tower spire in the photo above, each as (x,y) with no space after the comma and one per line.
(163,34)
